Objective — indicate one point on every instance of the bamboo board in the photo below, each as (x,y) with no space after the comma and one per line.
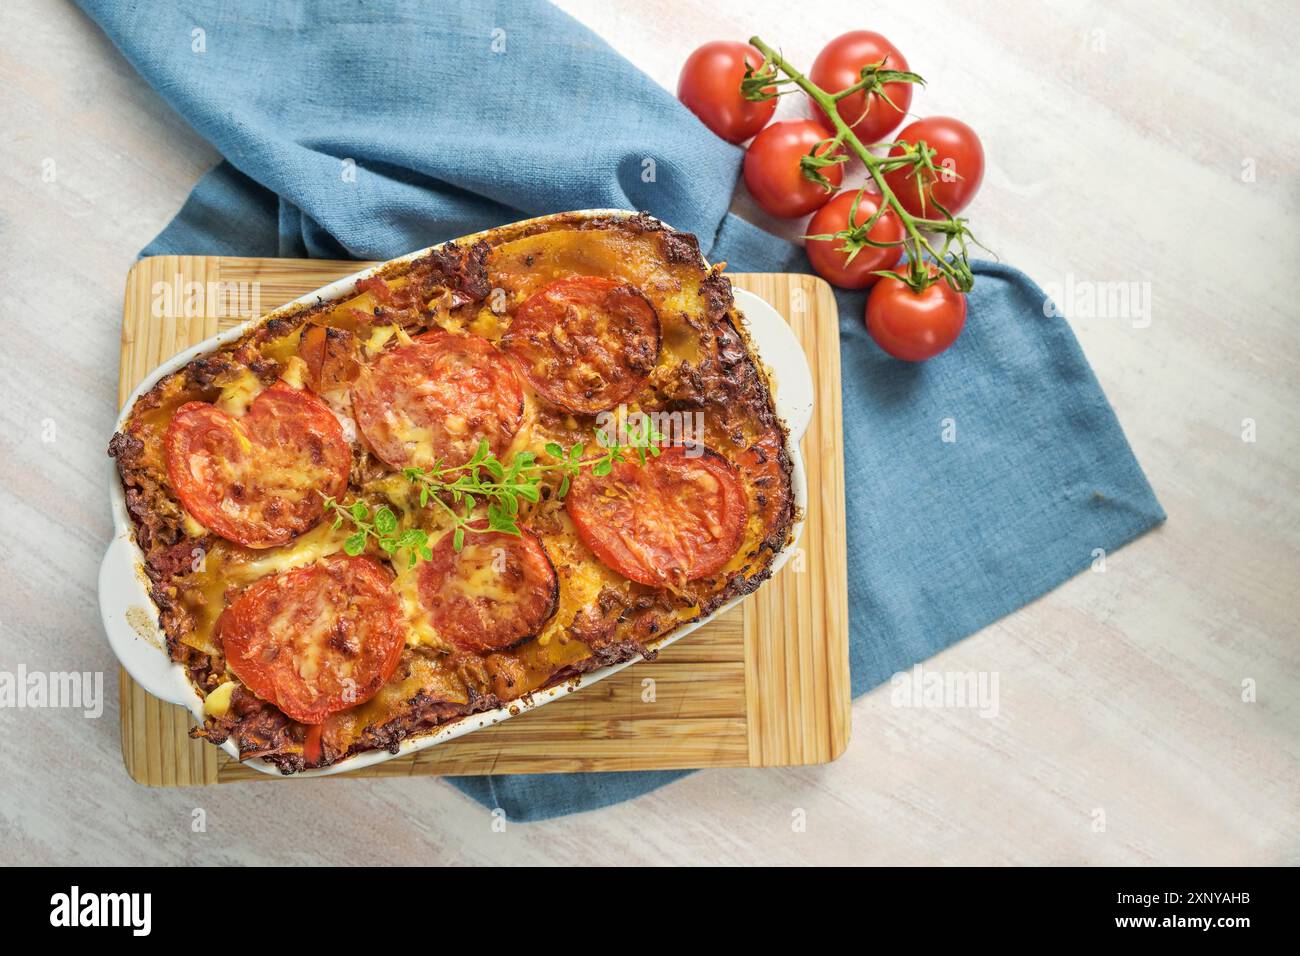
(766,684)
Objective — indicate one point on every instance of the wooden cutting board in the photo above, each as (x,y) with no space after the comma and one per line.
(765,685)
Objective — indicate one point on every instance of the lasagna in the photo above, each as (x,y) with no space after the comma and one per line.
(484,471)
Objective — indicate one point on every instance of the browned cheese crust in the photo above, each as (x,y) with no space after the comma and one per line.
(705,373)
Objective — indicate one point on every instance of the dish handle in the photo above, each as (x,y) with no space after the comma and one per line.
(780,350)
(131,624)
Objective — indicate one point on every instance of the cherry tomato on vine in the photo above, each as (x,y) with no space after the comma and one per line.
(914,326)
(773,173)
(832,264)
(839,66)
(709,86)
(959,159)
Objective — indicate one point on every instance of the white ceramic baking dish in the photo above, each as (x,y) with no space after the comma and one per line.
(131,619)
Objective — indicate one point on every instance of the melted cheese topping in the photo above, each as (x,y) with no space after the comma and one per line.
(379,338)
(239,394)
(481,578)
(420,630)
(217,703)
(294,371)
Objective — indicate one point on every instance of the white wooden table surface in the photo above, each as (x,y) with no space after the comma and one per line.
(1149,142)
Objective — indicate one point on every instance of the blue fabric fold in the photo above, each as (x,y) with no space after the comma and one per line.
(355,130)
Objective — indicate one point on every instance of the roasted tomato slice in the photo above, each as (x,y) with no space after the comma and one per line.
(311,745)
(586,343)
(258,479)
(436,398)
(330,355)
(494,594)
(671,520)
(316,639)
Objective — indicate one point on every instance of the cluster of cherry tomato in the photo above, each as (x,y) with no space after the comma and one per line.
(906,323)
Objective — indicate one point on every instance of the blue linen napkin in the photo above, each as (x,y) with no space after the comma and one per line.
(355,130)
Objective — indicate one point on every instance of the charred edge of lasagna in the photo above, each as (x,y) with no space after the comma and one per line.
(679,248)
(733,382)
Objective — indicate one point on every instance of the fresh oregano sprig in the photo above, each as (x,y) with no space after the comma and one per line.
(382,526)
(503,485)
(459,489)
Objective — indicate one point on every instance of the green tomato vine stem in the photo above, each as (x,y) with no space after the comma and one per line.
(925,260)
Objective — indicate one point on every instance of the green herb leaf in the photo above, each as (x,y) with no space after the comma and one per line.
(355,544)
(385,521)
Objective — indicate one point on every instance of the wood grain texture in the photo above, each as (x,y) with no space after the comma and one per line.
(1115,135)
(764,685)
